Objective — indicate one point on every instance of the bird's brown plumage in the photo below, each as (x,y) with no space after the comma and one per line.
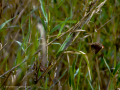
(96,47)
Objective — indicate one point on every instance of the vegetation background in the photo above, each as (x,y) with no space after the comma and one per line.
(43,44)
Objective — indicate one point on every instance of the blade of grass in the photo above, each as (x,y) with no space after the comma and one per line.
(20,45)
(79,75)
(90,85)
(62,26)
(87,61)
(116,68)
(1,26)
(63,45)
(43,10)
(71,77)
(107,65)
(55,28)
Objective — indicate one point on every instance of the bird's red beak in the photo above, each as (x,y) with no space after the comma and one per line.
(102,46)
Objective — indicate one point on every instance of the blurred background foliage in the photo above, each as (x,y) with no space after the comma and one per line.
(26,26)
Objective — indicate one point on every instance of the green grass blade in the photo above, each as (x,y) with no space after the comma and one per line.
(63,45)
(87,61)
(1,26)
(107,64)
(55,28)
(90,85)
(43,10)
(116,68)
(62,26)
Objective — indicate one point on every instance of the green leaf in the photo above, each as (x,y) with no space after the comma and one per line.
(90,84)
(87,61)
(79,72)
(116,68)
(43,23)
(107,64)
(55,28)
(61,49)
(43,10)
(20,45)
(62,1)
(1,26)
(62,26)
(71,77)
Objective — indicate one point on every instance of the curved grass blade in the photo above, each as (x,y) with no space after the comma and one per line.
(1,26)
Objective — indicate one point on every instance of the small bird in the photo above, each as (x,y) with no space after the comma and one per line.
(96,47)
